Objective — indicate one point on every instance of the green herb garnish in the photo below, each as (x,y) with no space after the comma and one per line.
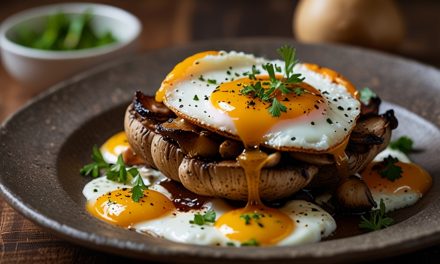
(388,168)
(366,94)
(96,166)
(208,217)
(195,98)
(377,219)
(117,172)
(275,85)
(247,217)
(403,144)
(64,32)
(250,243)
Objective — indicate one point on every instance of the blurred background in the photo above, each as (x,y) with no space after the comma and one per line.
(403,27)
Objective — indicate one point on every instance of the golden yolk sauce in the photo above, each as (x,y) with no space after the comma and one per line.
(243,110)
(117,144)
(256,221)
(413,179)
(341,158)
(180,72)
(334,77)
(117,207)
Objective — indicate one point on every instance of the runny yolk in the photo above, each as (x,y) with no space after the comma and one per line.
(180,72)
(334,77)
(341,158)
(117,207)
(413,179)
(251,117)
(117,144)
(256,222)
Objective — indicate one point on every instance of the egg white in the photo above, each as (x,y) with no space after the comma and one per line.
(311,222)
(318,137)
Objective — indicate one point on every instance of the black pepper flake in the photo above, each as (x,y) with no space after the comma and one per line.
(316,106)
(329,121)
(237,74)
(293,138)
(180,106)
(345,115)
(197,62)
(349,108)
(228,72)
(335,100)
(206,98)
(325,92)
(286,99)
(180,100)
(312,123)
(95,190)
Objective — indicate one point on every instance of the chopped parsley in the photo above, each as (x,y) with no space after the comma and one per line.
(403,144)
(96,166)
(275,85)
(208,217)
(212,81)
(250,243)
(117,172)
(388,168)
(377,219)
(195,98)
(247,217)
(366,94)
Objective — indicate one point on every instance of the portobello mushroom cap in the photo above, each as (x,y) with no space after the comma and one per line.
(217,173)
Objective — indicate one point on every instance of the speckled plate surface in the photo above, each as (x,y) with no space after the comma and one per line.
(43,146)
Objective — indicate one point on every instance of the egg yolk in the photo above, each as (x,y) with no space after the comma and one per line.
(413,178)
(179,72)
(265,225)
(117,144)
(117,207)
(244,110)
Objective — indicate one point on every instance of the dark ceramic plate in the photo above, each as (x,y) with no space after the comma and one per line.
(43,146)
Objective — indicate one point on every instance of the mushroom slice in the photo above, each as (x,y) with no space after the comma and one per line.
(192,142)
(230,149)
(372,108)
(227,179)
(353,194)
(147,107)
(316,159)
(166,156)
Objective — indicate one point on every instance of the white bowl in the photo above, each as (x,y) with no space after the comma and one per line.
(37,69)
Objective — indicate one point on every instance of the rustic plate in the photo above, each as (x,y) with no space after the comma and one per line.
(43,146)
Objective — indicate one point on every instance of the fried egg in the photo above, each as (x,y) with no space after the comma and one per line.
(114,146)
(156,215)
(205,89)
(402,192)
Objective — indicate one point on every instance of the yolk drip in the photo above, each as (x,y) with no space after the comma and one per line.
(180,72)
(117,207)
(334,77)
(251,117)
(341,158)
(117,144)
(255,221)
(414,178)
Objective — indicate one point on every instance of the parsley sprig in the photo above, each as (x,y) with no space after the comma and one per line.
(276,85)
(366,94)
(117,172)
(377,219)
(388,168)
(403,144)
(208,217)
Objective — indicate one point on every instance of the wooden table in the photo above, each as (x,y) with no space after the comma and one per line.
(166,23)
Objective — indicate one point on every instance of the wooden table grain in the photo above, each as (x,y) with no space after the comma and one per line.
(167,23)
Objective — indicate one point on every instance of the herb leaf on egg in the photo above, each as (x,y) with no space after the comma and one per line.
(250,243)
(208,217)
(275,85)
(117,172)
(377,219)
(403,144)
(388,168)
(139,185)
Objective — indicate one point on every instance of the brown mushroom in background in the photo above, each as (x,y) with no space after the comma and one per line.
(370,23)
